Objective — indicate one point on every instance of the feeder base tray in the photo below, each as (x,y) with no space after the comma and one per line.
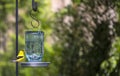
(35,64)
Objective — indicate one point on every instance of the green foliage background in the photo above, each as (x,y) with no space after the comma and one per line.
(69,52)
(7,31)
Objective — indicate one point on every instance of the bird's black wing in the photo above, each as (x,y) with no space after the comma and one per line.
(19,57)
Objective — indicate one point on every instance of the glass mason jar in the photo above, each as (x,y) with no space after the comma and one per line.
(34,48)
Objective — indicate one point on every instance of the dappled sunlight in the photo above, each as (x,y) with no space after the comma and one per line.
(81,37)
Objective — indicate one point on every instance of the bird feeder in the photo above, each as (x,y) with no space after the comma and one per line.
(34,43)
(34,49)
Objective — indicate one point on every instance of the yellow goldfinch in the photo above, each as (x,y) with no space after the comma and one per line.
(20,56)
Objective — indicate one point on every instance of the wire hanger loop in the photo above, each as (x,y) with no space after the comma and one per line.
(35,22)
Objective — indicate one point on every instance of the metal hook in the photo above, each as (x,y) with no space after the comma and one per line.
(35,20)
(34,5)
